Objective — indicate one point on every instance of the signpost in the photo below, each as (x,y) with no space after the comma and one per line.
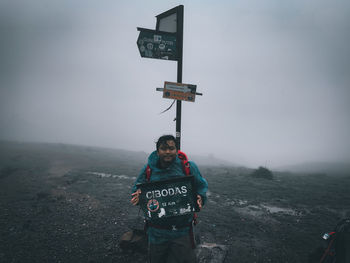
(163,199)
(166,42)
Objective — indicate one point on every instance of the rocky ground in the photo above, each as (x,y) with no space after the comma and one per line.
(64,203)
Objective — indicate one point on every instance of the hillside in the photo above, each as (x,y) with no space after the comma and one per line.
(65,203)
(331,168)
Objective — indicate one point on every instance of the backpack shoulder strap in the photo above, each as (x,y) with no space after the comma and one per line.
(185,163)
(187,170)
(148,172)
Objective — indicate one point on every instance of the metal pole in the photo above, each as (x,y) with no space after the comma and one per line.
(180,27)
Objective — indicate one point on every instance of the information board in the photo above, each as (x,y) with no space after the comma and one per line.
(179,91)
(168,198)
(157,44)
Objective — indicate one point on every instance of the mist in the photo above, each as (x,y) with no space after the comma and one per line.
(274,77)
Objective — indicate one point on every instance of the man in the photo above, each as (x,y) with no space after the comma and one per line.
(168,243)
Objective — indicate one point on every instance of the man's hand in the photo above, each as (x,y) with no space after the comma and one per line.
(135,199)
(199,201)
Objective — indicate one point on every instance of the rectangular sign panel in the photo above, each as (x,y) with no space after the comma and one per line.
(168,198)
(179,91)
(157,44)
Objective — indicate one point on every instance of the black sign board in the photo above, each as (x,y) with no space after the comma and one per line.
(157,44)
(168,198)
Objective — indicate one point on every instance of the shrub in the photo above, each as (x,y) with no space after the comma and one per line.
(262,172)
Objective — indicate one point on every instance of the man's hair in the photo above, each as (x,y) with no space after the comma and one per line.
(163,140)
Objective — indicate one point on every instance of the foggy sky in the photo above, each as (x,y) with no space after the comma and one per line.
(274,76)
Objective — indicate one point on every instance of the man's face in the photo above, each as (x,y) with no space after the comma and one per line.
(167,152)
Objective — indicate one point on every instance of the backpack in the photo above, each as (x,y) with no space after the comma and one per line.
(338,244)
(187,171)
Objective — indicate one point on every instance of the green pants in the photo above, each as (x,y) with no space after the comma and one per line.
(178,250)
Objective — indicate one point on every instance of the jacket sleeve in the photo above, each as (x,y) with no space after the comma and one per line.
(140,179)
(200,184)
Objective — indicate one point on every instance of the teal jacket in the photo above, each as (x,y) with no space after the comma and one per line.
(156,235)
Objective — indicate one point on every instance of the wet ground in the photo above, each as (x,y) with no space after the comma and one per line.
(61,203)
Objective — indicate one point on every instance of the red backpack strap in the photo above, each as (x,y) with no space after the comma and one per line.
(185,163)
(187,170)
(148,173)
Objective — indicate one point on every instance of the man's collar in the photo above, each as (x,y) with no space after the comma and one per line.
(164,167)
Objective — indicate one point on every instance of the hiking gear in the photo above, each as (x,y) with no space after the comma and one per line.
(185,163)
(342,241)
(337,249)
(187,171)
(176,169)
(329,253)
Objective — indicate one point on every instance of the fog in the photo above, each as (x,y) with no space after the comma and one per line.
(274,76)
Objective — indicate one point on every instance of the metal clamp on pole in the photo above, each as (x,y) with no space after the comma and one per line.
(162,89)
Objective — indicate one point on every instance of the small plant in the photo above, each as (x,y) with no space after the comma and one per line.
(262,172)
